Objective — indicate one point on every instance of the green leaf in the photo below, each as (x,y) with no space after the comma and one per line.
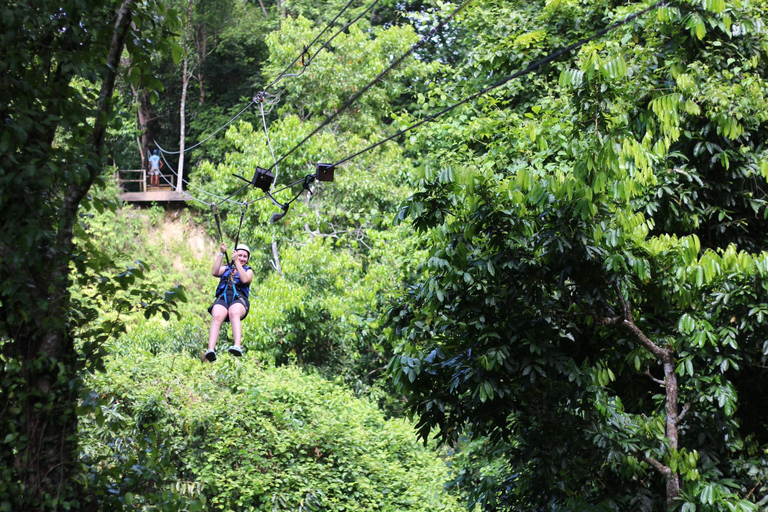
(716,6)
(571,78)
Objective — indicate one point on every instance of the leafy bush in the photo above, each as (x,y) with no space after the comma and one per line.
(235,436)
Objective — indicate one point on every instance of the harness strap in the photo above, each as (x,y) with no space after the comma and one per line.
(215,210)
(239,227)
(230,281)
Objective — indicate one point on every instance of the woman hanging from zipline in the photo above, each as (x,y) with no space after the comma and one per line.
(231,304)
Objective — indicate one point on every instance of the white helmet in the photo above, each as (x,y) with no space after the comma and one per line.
(243,247)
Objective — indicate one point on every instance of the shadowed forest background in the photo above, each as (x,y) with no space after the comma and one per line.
(551,297)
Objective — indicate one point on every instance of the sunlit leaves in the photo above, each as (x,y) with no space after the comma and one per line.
(306,437)
(571,78)
(715,6)
(614,68)
(695,23)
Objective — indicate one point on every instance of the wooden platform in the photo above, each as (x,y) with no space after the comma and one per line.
(153,195)
(137,179)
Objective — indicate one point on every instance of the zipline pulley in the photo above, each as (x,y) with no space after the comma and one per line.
(262,179)
(325,172)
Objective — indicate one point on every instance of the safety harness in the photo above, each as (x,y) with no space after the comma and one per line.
(227,281)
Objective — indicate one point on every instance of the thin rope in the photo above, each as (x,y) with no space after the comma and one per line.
(381,75)
(183,192)
(188,184)
(215,212)
(269,143)
(240,226)
(498,84)
(207,138)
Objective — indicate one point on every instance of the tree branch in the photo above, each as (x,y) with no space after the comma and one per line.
(276,262)
(628,324)
(664,470)
(654,379)
(686,408)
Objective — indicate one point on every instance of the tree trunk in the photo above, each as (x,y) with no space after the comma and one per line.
(261,3)
(182,123)
(42,339)
(202,48)
(144,114)
(666,356)
(672,389)
(184,87)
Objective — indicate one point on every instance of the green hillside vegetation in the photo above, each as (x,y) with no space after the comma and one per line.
(239,436)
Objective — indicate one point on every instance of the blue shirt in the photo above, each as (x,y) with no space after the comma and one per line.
(154,162)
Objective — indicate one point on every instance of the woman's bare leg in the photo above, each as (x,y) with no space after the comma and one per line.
(218,314)
(236,313)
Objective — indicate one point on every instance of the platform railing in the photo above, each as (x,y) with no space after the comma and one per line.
(135,180)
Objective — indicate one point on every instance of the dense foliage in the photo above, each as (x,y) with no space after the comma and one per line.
(58,68)
(234,436)
(592,301)
(572,298)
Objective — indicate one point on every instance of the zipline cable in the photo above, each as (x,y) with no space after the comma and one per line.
(498,84)
(361,92)
(329,25)
(365,89)
(342,29)
(283,74)
(262,95)
(324,45)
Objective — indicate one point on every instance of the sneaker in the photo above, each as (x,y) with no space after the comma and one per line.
(236,351)
(210,355)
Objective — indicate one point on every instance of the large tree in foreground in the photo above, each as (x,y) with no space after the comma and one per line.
(595,298)
(58,65)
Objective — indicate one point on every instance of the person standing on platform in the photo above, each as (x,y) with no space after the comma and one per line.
(155,164)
